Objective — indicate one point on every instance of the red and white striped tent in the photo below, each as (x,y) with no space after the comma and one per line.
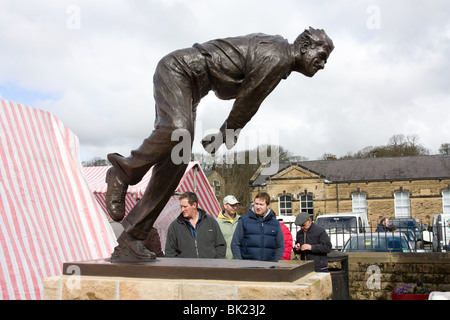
(193,180)
(48,215)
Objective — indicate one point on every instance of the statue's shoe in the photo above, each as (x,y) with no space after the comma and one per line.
(131,249)
(115,195)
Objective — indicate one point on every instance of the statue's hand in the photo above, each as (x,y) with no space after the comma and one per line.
(212,142)
(231,138)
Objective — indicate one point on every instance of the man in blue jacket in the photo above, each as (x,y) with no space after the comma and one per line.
(258,235)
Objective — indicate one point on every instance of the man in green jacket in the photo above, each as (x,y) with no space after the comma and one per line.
(228,219)
(194,234)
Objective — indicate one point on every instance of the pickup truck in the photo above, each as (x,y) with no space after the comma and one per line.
(340,226)
(441,232)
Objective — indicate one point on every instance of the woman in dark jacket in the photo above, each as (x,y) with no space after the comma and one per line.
(313,242)
(383,226)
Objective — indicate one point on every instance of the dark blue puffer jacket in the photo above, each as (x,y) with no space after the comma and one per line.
(257,238)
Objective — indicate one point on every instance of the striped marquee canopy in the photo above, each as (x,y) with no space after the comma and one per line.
(48,214)
(193,180)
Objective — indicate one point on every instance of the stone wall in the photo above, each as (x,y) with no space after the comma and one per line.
(313,286)
(373,275)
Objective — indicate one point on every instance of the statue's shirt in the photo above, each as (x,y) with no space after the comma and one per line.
(247,69)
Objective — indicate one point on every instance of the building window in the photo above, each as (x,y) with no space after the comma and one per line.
(402,206)
(285,205)
(446,201)
(307,204)
(359,203)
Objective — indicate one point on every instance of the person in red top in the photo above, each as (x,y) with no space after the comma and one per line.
(288,242)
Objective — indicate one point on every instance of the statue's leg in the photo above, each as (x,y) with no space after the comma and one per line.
(164,180)
(174,112)
(131,170)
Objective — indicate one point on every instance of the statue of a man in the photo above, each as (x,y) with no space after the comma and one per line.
(246,69)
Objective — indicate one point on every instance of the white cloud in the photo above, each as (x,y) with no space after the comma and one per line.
(98,78)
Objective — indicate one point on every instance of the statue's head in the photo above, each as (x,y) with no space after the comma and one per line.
(312,49)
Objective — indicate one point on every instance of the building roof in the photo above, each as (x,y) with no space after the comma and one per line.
(374,169)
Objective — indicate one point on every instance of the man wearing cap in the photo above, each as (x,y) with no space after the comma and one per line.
(313,242)
(228,219)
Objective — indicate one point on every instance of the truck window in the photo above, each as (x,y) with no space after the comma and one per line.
(338,224)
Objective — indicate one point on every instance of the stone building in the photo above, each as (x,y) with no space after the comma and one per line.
(416,187)
(217,183)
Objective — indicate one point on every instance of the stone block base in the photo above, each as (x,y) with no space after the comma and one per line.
(313,286)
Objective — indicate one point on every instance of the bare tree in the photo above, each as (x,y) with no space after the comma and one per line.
(445,148)
(95,162)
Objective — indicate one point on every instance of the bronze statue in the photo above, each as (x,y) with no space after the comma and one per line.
(246,69)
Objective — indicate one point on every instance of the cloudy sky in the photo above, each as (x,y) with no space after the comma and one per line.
(91,64)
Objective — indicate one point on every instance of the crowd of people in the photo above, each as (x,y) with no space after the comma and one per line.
(256,235)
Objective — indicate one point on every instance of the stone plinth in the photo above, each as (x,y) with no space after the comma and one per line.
(208,280)
(315,286)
